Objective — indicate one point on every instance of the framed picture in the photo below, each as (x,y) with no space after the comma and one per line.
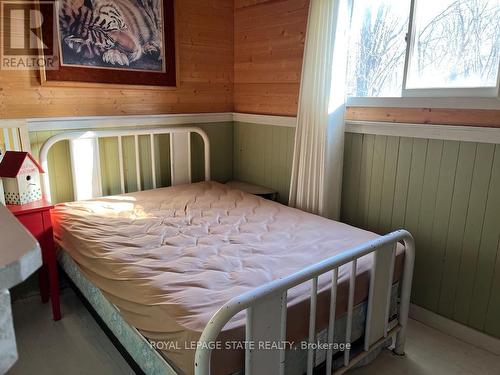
(129,42)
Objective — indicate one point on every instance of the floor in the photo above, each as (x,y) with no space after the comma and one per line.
(73,345)
(48,347)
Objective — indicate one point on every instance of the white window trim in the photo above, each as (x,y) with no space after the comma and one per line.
(466,97)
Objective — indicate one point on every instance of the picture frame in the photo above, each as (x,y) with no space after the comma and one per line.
(117,54)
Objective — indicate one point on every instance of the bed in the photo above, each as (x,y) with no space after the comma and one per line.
(198,276)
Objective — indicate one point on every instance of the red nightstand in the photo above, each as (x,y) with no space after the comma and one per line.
(36,218)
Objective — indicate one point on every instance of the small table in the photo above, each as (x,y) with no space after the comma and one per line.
(35,217)
(261,191)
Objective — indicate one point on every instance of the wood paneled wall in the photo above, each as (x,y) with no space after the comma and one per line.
(447,194)
(468,117)
(263,156)
(268,49)
(205,76)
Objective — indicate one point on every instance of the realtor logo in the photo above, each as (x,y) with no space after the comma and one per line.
(22,25)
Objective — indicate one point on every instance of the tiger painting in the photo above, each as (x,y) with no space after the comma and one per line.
(112,33)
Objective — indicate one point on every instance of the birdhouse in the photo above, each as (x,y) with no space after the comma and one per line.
(20,174)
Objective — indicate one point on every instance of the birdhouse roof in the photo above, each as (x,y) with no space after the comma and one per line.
(12,162)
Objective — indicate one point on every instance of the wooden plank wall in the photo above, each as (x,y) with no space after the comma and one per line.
(268,48)
(263,156)
(205,74)
(436,116)
(61,184)
(447,194)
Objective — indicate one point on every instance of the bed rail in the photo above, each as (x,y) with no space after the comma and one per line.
(266,309)
(180,155)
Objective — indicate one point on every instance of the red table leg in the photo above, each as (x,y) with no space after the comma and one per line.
(54,285)
(43,282)
(50,253)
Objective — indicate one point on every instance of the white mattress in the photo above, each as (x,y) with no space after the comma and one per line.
(169,258)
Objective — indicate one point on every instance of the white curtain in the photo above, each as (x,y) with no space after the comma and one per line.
(317,162)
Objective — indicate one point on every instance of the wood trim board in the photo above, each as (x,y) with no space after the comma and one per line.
(436,116)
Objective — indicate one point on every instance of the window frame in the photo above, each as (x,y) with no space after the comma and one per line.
(455,97)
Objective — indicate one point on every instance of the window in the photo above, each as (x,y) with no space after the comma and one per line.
(424,48)
(376,63)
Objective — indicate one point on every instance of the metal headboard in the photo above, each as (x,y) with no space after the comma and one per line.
(178,136)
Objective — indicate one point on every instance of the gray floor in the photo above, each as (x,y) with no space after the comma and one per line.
(76,345)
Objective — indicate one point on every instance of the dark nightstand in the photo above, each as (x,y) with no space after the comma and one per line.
(261,191)
(35,217)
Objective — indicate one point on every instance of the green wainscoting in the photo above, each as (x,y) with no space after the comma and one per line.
(263,156)
(221,143)
(447,194)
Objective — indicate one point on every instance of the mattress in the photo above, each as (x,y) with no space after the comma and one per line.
(169,258)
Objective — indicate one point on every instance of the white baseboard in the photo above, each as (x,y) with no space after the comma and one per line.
(455,329)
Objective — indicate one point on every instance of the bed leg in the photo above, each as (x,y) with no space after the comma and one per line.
(399,347)
(404,307)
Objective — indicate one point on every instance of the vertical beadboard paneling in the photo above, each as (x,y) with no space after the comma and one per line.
(388,184)
(376,183)
(110,166)
(426,255)
(456,227)
(163,167)
(485,301)
(221,141)
(447,193)
(402,180)
(492,324)
(263,156)
(473,230)
(345,212)
(429,292)
(129,164)
(365,179)
(350,182)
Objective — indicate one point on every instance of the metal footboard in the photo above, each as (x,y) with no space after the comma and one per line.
(266,309)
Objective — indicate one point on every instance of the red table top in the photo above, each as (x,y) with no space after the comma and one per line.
(20,209)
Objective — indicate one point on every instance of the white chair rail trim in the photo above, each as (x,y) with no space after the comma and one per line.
(98,122)
(427,131)
(287,121)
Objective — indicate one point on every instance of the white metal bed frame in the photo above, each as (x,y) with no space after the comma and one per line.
(266,306)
